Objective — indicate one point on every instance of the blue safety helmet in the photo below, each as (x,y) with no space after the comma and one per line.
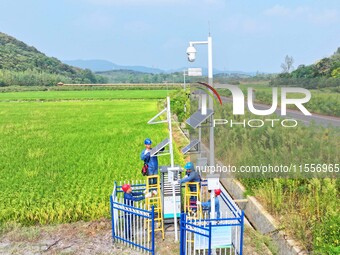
(147,141)
(189,166)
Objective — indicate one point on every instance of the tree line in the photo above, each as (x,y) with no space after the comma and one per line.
(40,78)
(324,73)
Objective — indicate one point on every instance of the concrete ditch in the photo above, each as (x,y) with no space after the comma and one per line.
(260,219)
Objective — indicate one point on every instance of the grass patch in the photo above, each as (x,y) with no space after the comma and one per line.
(83,95)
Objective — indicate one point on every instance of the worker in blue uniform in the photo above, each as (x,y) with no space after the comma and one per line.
(207,205)
(129,198)
(152,162)
(192,176)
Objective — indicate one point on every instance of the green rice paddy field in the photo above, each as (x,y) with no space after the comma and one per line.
(59,159)
(83,95)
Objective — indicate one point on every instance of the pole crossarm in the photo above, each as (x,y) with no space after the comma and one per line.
(197,42)
(152,121)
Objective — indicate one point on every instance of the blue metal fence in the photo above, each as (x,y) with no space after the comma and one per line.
(132,225)
(201,235)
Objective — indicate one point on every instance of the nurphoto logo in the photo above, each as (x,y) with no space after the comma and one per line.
(238,102)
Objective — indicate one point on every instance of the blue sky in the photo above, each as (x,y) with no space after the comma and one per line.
(253,35)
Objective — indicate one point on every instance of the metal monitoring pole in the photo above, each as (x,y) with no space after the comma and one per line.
(156,151)
(172,164)
(212,140)
(191,52)
(211,103)
(170,131)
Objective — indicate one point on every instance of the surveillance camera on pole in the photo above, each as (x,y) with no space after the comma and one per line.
(191,52)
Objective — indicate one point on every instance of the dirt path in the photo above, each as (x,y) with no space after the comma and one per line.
(85,238)
(76,238)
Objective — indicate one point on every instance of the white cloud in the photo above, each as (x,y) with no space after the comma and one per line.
(253,26)
(153,2)
(245,25)
(281,11)
(133,2)
(324,17)
(278,10)
(212,2)
(95,20)
(173,43)
(320,17)
(138,27)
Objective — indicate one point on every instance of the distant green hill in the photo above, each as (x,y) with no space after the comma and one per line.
(324,73)
(21,64)
(326,67)
(100,65)
(130,76)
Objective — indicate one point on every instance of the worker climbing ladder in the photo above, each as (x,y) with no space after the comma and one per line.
(155,201)
(192,194)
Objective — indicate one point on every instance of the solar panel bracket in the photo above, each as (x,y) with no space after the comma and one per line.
(192,147)
(196,119)
(152,121)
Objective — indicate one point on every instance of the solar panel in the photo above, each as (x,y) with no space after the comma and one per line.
(159,146)
(192,144)
(197,118)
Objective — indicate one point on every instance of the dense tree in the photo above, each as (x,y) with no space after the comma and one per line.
(21,64)
(336,73)
(304,72)
(324,73)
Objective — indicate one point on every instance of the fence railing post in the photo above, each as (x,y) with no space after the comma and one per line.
(112,218)
(241,234)
(210,237)
(182,235)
